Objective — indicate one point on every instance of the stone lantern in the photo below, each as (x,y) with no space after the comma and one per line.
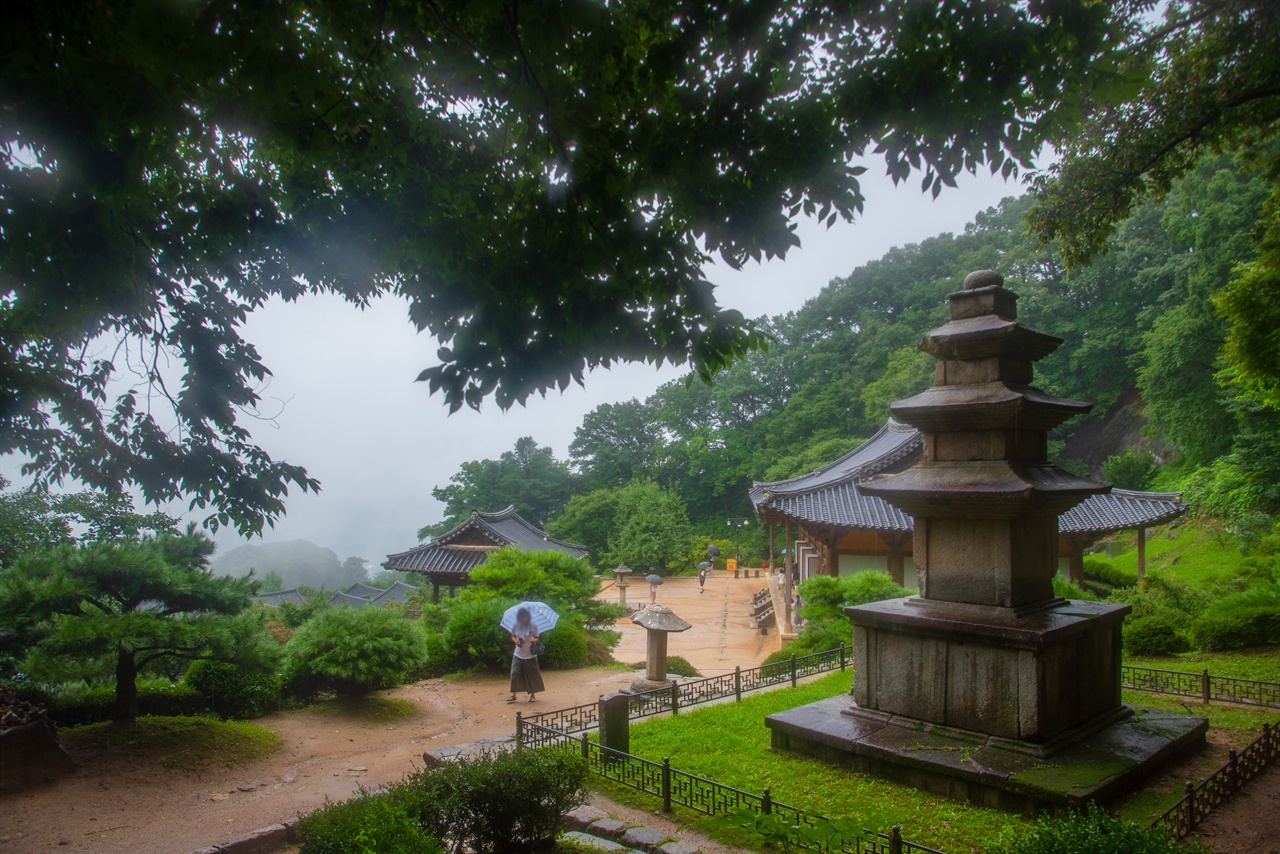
(658,621)
(986,686)
(622,572)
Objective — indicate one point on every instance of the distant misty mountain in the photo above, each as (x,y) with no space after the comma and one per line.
(296,562)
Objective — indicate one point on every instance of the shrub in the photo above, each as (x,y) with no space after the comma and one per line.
(566,647)
(233,693)
(679,666)
(1130,469)
(364,824)
(1248,618)
(1153,635)
(280,633)
(598,653)
(1094,831)
(441,658)
(816,638)
(1096,569)
(863,587)
(490,802)
(1067,590)
(357,650)
(474,635)
(1218,631)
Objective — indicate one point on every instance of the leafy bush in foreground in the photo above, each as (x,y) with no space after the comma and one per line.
(366,824)
(506,801)
(566,647)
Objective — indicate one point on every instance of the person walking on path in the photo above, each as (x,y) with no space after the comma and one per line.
(526,675)
(702,579)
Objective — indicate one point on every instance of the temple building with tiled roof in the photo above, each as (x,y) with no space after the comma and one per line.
(447,560)
(841,529)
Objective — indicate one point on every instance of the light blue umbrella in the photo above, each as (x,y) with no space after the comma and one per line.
(540,615)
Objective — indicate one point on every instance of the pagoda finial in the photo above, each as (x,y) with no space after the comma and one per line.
(983,279)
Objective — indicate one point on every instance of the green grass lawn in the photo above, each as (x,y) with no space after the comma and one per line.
(730,744)
(1192,552)
(188,744)
(1261,663)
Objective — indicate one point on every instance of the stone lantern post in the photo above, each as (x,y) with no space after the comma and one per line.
(658,621)
(622,572)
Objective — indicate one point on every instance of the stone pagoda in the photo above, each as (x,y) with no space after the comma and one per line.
(986,686)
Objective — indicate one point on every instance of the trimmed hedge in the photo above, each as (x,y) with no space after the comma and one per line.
(566,647)
(96,704)
(1217,631)
(231,692)
(1153,635)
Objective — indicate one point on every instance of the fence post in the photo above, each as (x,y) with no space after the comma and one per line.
(675,697)
(737,682)
(586,743)
(519,730)
(1266,741)
(766,802)
(1233,773)
(895,840)
(615,726)
(793,670)
(666,784)
(1191,805)
(1204,686)
(842,659)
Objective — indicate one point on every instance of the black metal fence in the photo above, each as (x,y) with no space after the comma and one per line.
(1185,816)
(703,795)
(1226,689)
(576,719)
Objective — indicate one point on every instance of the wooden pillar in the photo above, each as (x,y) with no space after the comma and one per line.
(1142,552)
(896,557)
(435,592)
(771,546)
(790,559)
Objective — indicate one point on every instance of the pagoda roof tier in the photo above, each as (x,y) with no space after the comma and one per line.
(995,489)
(987,335)
(987,406)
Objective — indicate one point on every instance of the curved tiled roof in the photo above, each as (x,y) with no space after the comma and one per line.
(397,592)
(1120,510)
(349,601)
(275,597)
(453,561)
(830,495)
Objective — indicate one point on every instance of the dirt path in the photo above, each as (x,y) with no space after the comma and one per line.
(135,809)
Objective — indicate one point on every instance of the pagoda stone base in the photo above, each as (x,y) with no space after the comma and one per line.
(1025,676)
(1099,762)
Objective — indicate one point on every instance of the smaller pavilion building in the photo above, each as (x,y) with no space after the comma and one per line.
(839,529)
(447,560)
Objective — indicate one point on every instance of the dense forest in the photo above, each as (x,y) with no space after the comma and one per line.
(1142,340)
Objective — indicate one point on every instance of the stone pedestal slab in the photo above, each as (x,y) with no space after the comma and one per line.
(978,768)
(1025,677)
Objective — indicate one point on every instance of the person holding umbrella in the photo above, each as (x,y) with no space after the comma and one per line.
(526,622)
(702,575)
(654,580)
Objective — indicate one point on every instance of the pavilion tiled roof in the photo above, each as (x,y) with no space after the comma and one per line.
(830,496)
(397,592)
(275,597)
(347,599)
(450,557)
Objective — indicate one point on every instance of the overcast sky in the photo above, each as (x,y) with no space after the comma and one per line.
(347,408)
(352,414)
